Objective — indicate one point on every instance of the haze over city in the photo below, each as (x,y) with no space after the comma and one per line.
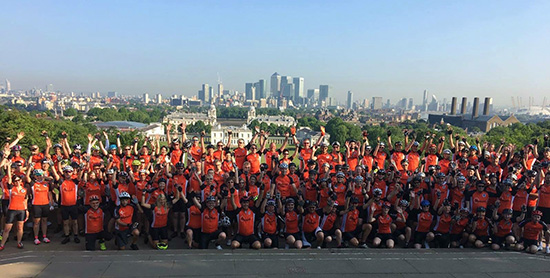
(390,49)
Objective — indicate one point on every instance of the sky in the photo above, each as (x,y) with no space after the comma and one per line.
(392,49)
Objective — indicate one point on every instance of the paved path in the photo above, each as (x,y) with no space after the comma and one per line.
(275,263)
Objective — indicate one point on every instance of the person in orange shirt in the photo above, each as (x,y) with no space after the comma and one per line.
(194,220)
(424,220)
(254,158)
(291,212)
(385,220)
(268,226)
(245,226)
(532,229)
(94,225)
(126,224)
(68,191)
(17,209)
(311,232)
(159,223)
(210,229)
(42,203)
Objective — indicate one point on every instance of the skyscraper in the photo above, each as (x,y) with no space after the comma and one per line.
(8,86)
(112,94)
(220,90)
(250,91)
(324,92)
(211,97)
(298,90)
(158,98)
(260,89)
(376,103)
(275,84)
(425,101)
(350,100)
(312,97)
(288,90)
(204,93)
(145,98)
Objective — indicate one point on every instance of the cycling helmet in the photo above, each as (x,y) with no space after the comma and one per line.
(358,179)
(136,162)
(77,147)
(289,200)
(224,222)
(507,211)
(270,203)
(57,146)
(112,147)
(536,212)
(211,199)
(283,166)
(507,182)
(335,143)
(110,171)
(94,198)
(404,203)
(123,174)
(446,151)
(340,175)
(481,209)
(38,172)
(377,192)
(425,203)
(386,204)
(180,165)
(440,175)
(16,148)
(124,195)
(95,148)
(68,169)
(461,179)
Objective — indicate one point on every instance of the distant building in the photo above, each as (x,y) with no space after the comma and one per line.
(349,102)
(376,103)
(120,125)
(260,89)
(158,98)
(219,133)
(275,85)
(307,133)
(145,98)
(204,93)
(324,92)
(298,95)
(250,91)
(112,94)
(8,86)
(277,120)
(177,118)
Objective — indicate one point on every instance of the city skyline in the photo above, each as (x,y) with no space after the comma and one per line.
(395,50)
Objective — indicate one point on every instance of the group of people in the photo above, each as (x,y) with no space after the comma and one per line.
(432,193)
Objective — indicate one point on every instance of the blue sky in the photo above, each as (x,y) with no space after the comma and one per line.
(374,48)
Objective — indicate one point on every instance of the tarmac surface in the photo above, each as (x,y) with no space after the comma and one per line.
(51,261)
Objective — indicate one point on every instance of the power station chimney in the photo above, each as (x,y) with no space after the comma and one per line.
(464,104)
(475,108)
(453,106)
(487,106)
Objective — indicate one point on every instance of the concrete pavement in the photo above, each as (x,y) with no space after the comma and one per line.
(275,263)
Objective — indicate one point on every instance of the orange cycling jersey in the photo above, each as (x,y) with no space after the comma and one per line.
(175,156)
(240,157)
(160,217)
(194,220)
(310,222)
(327,223)
(93,188)
(414,160)
(544,196)
(291,222)
(254,159)
(245,222)
(283,185)
(210,218)
(125,214)
(40,193)
(443,223)
(380,159)
(350,220)
(196,152)
(384,224)
(504,228)
(479,199)
(531,230)
(269,223)
(94,220)
(482,227)
(69,193)
(397,157)
(18,198)
(425,219)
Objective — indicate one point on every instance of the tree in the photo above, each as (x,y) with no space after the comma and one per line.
(70,112)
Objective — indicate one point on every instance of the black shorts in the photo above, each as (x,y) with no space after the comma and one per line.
(69,211)
(419,237)
(384,237)
(331,232)
(274,239)
(205,238)
(16,216)
(399,232)
(232,215)
(310,237)
(5,204)
(122,237)
(297,236)
(484,239)
(351,234)
(196,234)
(91,239)
(442,240)
(499,240)
(528,242)
(159,233)
(456,237)
(41,211)
(246,239)
(178,207)
(516,214)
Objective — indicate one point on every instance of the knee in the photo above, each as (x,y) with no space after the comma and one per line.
(235,244)
(290,240)
(222,236)
(267,242)
(390,243)
(256,245)
(495,247)
(472,238)
(328,239)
